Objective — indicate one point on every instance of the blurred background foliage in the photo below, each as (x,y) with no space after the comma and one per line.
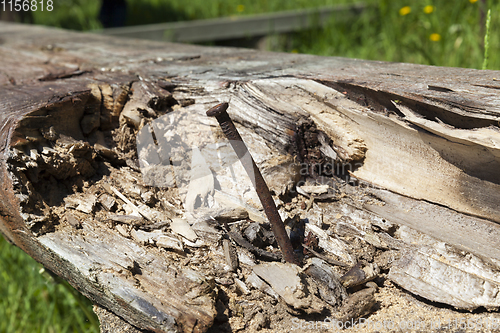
(32,300)
(444,33)
(440,32)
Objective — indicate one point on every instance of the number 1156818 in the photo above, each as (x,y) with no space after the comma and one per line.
(27,5)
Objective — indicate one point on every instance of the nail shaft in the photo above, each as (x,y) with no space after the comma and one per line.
(277,226)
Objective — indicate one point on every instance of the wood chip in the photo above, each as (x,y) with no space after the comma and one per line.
(127,219)
(359,274)
(285,279)
(122,230)
(144,237)
(331,290)
(241,286)
(87,204)
(313,189)
(259,284)
(359,305)
(331,244)
(182,228)
(107,201)
(124,198)
(73,221)
(238,239)
(170,243)
(230,255)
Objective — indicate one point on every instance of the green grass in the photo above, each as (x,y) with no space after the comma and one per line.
(32,301)
(444,33)
(178,10)
(70,14)
(83,15)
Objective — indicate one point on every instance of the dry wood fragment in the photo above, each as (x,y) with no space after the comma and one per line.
(286,280)
(182,228)
(231,255)
(445,274)
(331,290)
(238,239)
(258,283)
(359,274)
(359,305)
(331,244)
(241,286)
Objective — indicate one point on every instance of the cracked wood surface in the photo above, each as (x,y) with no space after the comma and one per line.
(420,133)
(458,169)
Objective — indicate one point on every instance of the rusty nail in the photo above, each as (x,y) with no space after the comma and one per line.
(231,133)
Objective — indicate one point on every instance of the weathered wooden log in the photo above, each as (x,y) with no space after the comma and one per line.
(420,145)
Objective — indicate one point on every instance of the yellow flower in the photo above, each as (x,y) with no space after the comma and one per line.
(429,9)
(240,8)
(405,10)
(435,37)
(472,1)
(295,51)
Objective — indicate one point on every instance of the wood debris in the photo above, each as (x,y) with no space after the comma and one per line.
(286,280)
(116,180)
(230,255)
(346,247)
(182,228)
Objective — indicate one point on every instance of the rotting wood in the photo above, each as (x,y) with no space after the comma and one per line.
(408,155)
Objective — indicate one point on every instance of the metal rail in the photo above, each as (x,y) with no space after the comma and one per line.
(236,27)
